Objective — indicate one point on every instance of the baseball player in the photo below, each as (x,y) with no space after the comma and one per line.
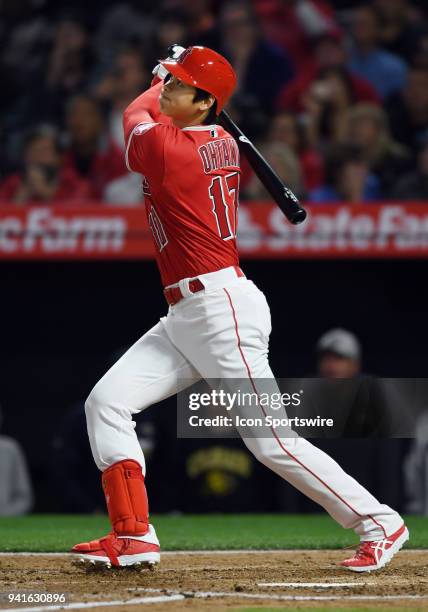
(218,322)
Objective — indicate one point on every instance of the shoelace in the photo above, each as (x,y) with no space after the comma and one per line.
(365,549)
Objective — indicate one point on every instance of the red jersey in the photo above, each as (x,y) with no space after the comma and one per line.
(190,184)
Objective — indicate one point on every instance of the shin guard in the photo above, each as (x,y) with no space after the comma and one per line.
(126,497)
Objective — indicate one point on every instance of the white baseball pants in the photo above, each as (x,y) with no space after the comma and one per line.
(221,332)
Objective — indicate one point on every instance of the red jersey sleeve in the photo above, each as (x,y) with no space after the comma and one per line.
(145,129)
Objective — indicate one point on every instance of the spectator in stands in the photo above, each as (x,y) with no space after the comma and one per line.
(293,24)
(118,25)
(127,78)
(420,56)
(286,163)
(172,28)
(24,34)
(68,62)
(339,354)
(44,178)
(252,55)
(327,104)
(347,402)
(24,44)
(92,152)
(385,71)
(414,185)
(16,494)
(70,58)
(401,26)
(202,21)
(408,110)
(373,406)
(415,469)
(286,129)
(368,128)
(66,59)
(361,412)
(348,178)
(329,52)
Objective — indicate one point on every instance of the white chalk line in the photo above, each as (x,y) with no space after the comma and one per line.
(208,594)
(317,585)
(172,553)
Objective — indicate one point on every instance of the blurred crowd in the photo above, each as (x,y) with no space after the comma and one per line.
(335,93)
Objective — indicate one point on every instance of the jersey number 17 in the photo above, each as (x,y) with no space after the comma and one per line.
(223,192)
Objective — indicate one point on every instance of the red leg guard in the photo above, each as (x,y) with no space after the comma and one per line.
(126,497)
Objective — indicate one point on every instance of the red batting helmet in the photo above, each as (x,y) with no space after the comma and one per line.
(205,69)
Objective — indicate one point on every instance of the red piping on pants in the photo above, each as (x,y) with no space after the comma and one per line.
(273,430)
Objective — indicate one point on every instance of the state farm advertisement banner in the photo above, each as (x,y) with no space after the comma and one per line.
(55,232)
(110,232)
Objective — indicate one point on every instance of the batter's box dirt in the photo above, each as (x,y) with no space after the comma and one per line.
(222,581)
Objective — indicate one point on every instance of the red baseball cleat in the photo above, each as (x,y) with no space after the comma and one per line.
(120,551)
(373,555)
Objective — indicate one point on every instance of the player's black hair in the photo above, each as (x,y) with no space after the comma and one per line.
(201,94)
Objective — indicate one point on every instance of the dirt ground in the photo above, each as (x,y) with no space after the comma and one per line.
(191,582)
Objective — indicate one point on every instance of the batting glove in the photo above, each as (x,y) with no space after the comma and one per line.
(174,52)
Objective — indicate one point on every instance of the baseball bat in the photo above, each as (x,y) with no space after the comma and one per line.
(283,196)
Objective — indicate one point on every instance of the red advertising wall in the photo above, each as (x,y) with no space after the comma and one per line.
(96,232)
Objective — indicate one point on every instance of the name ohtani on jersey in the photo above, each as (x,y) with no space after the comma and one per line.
(217,154)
